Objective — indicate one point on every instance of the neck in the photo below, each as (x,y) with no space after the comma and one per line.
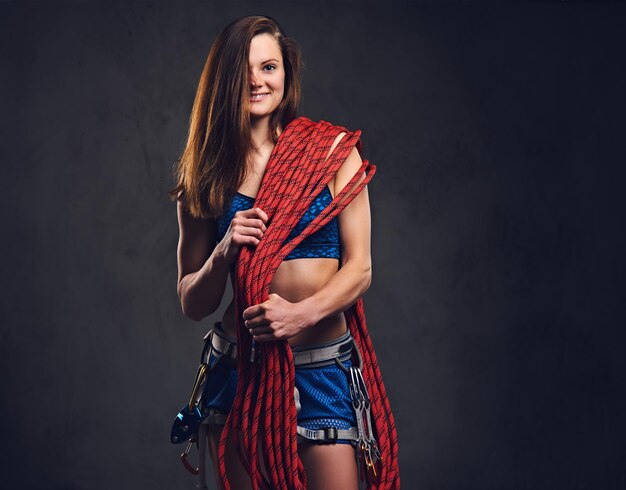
(260,132)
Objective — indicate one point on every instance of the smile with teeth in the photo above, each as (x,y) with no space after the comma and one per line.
(258,96)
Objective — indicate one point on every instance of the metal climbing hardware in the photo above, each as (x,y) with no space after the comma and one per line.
(357,403)
(188,420)
(366,448)
(183,457)
(188,424)
(200,381)
(367,452)
(373,446)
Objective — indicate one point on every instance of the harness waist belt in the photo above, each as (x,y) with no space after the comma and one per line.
(303,356)
(222,343)
(323,354)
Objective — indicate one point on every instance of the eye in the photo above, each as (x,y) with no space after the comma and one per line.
(267,66)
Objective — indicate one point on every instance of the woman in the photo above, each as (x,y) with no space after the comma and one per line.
(296,338)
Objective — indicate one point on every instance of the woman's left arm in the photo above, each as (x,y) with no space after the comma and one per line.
(355,275)
(276,318)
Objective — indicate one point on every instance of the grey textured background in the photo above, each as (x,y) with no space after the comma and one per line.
(496,306)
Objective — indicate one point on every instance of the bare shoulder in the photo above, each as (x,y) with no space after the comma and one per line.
(335,143)
(331,184)
(348,169)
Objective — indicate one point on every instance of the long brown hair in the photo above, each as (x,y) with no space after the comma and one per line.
(213,164)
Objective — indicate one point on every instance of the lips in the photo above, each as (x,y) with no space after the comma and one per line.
(259,96)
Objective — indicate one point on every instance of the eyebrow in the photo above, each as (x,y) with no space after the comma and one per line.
(271,59)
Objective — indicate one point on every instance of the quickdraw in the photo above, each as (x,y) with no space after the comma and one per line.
(367,452)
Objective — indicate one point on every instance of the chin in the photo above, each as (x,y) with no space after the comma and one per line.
(263,113)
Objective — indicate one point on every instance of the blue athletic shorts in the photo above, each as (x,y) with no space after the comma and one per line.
(324,394)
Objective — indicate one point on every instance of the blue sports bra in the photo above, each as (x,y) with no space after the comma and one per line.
(323,243)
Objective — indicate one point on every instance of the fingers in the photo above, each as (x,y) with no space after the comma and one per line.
(246,228)
(249,226)
(256,331)
(254,213)
(252,311)
(260,332)
(265,335)
(265,338)
(247,231)
(250,223)
(256,323)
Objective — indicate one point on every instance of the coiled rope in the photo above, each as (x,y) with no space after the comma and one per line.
(264,405)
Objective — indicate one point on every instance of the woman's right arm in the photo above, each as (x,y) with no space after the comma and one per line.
(203,266)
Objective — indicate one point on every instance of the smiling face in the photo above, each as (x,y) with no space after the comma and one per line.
(267,75)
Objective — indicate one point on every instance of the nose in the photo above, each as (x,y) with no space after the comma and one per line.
(253,80)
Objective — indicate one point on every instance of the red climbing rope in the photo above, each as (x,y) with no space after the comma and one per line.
(264,407)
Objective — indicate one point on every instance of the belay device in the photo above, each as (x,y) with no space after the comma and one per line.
(188,425)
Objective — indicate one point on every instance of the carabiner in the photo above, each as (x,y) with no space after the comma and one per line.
(200,379)
(183,458)
(363,386)
(368,460)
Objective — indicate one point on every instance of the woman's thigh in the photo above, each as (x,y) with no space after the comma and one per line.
(326,465)
(329,466)
(237,475)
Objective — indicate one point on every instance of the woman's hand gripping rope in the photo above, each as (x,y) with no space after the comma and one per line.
(246,228)
(276,319)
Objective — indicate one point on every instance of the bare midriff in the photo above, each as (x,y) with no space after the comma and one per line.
(295,280)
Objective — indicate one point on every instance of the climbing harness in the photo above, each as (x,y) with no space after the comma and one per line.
(191,423)
(198,419)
